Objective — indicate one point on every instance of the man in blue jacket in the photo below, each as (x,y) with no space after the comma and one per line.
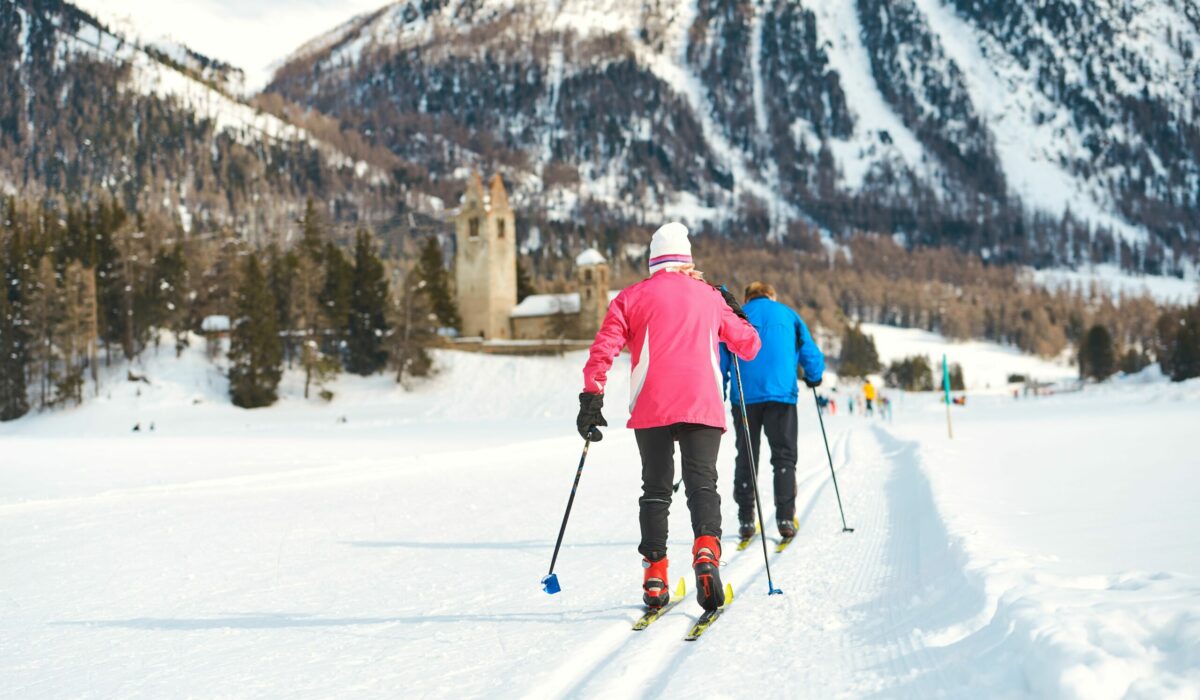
(771,389)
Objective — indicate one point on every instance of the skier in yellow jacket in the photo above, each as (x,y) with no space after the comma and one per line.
(869,395)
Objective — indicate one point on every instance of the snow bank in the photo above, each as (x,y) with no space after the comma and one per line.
(189,397)
(1067,517)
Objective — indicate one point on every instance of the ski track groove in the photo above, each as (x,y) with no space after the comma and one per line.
(565,684)
(642,667)
(857,602)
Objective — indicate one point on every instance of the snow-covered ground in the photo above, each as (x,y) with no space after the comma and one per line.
(390,544)
(986,366)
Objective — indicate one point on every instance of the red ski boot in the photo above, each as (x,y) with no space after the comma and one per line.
(655,593)
(706,562)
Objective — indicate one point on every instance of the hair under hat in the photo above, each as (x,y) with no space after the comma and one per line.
(670,247)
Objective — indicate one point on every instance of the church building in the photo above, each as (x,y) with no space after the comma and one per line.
(486,277)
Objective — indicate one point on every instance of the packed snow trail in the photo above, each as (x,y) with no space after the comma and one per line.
(291,554)
(324,580)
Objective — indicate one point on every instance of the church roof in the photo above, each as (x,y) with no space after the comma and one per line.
(591,256)
(551,304)
(547,305)
(215,324)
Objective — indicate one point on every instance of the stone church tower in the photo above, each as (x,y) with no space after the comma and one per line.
(486,260)
(591,279)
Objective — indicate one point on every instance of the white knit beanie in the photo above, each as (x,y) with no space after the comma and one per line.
(670,247)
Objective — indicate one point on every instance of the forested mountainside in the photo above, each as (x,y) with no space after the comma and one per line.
(1046,133)
(86,113)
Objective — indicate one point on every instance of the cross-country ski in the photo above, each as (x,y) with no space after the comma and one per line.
(655,613)
(708,617)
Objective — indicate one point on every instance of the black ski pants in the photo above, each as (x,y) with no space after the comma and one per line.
(698,445)
(779,421)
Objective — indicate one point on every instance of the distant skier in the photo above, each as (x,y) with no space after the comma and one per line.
(771,390)
(869,398)
(672,323)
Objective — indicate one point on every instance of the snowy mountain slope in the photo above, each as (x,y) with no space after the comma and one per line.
(88,109)
(285,553)
(1166,290)
(948,120)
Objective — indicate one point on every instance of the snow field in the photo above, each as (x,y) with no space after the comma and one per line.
(1047,551)
(986,365)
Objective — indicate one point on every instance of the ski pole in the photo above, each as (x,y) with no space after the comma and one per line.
(550,580)
(771,589)
(830,456)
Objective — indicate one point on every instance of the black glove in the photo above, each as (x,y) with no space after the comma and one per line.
(812,385)
(733,303)
(590,416)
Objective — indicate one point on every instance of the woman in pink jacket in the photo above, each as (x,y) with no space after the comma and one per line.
(672,323)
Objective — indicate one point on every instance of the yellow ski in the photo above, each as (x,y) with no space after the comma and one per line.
(655,613)
(745,542)
(783,543)
(709,617)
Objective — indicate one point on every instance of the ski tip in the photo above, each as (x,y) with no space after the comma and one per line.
(728,593)
(550,584)
(681,589)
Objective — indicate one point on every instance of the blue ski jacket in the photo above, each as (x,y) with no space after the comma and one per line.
(786,343)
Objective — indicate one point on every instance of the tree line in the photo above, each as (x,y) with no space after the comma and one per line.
(90,283)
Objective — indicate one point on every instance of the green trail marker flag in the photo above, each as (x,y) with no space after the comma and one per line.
(946,386)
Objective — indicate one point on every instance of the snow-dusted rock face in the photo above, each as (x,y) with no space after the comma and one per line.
(982,123)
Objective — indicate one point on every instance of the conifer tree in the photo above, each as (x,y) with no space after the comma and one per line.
(525,286)
(366,353)
(1185,352)
(910,374)
(14,399)
(957,382)
(337,284)
(167,296)
(308,321)
(255,353)
(76,331)
(42,310)
(281,272)
(1097,357)
(312,237)
(859,356)
(416,330)
(13,394)
(436,289)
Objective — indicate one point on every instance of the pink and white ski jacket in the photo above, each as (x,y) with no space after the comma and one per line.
(673,324)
